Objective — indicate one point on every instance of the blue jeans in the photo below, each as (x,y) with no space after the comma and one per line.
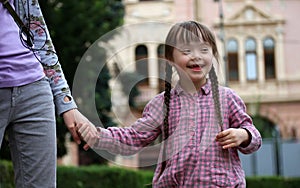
(27,113)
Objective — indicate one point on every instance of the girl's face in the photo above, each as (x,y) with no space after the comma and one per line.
(193,62)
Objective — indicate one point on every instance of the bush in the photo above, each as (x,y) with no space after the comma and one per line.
(6,175)
(108,177)
(98,176)
(273,181)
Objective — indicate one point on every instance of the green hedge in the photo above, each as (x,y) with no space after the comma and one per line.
(108,177)
(99,176)
(6,175)
(273,182)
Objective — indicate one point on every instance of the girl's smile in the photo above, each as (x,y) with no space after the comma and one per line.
(193,62)
(195,67)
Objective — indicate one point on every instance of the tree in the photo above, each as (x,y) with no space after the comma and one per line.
(128,81)
(74,26)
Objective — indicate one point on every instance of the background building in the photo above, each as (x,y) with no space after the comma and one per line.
(259,43)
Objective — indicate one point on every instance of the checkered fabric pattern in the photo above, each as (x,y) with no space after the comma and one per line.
(194,158)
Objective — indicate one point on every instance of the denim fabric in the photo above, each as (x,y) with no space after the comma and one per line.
(27,112)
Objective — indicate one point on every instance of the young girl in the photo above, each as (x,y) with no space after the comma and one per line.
(203,124)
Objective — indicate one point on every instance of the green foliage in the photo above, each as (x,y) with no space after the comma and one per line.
(5,149)
(265,127)
(74,26)
(106,177)
(99,176)
(6,174)
(61,139)
(129,82)
(273,181)
(103,98)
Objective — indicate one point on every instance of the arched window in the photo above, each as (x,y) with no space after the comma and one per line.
(251,59)
(269,58)
(141,58)
(232,60)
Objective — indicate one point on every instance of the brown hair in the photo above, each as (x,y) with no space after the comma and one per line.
(184,33)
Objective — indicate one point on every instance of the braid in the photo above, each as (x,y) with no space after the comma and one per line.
(167,96)
(216,96)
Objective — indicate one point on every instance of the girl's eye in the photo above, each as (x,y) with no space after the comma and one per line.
(186,51)
(204,50)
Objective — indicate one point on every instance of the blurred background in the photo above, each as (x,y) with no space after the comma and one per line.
(259,44)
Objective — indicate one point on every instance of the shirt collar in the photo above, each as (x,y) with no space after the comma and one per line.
(204,90)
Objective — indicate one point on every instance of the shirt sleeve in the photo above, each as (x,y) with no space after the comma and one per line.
(44,50)
(130,140)
(238,118)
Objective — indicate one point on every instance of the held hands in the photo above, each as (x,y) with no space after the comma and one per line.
(70,122)
(72,119)
(88,133)
(233,137)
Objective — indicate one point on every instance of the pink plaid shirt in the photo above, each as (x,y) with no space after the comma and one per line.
(194,158)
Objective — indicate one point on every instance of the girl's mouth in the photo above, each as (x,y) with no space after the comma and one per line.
(194,67)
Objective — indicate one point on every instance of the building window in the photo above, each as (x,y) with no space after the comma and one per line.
(232,60)
(269,58)
(141,58)
(249,14)
(251,59)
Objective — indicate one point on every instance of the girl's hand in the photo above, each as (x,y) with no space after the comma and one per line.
(233,137)
(88,133)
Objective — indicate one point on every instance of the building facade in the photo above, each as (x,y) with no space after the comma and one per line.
(259,43)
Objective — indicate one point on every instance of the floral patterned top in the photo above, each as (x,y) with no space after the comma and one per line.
(46,52)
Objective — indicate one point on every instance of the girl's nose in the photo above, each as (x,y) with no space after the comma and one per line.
(196,55)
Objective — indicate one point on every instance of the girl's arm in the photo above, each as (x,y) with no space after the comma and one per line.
(127,140)
(249,137)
